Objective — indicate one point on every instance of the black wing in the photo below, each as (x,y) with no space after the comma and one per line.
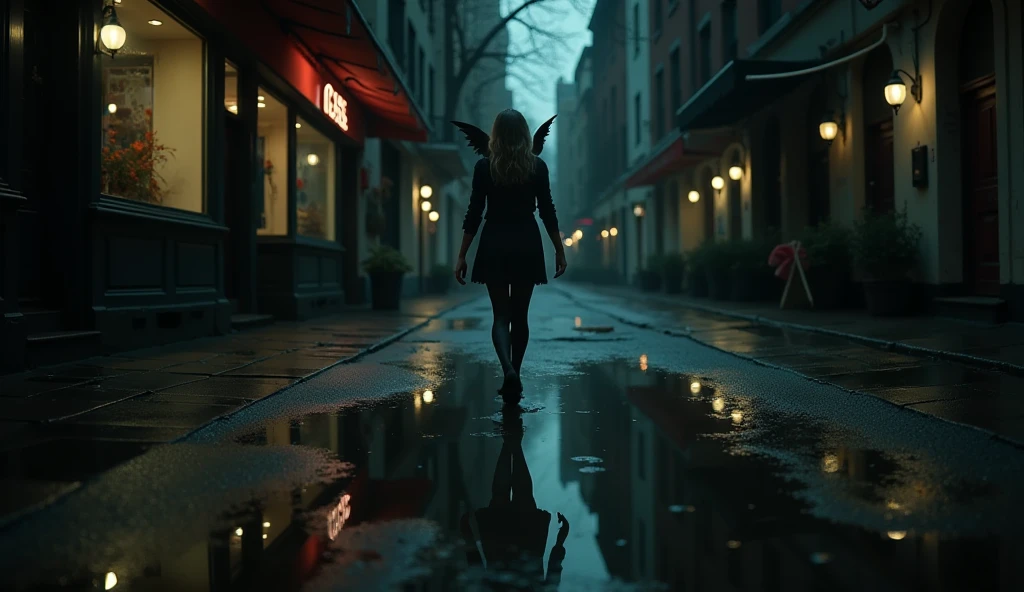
(478,138)
(541,134)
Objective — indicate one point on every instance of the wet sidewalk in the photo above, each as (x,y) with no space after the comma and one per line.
(81,418)
(918,379)
(987,345)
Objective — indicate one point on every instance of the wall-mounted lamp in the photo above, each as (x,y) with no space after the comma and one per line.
(426,191)
(613,231)
(578,235)
(568,242)
(638,210)
(736,172)
(896,90)
(313,159)
(433,216)
(694,196)
(426,206)
(112,34)
(717,183)
(829,128)
(605,233)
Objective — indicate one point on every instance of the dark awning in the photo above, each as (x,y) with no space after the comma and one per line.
(676,153)
(340,39)
(446,160)
(729,96)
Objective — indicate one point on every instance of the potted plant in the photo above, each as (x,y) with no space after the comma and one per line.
(440,279)
(649,278)
(885,249)
(752,277)
(673,267)
(718,260)
(829,263)
(696,271)
(386,267)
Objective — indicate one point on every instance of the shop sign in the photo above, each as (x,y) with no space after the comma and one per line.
(335,106)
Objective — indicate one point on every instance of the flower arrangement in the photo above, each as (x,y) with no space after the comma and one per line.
(130,165)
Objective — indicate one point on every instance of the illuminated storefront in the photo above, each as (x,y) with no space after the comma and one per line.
(209,167)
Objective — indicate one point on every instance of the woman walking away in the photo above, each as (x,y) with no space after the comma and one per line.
(512,181)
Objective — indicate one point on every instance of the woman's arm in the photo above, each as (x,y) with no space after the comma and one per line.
(474,216)
(546,206)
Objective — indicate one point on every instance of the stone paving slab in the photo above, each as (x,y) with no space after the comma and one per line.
(983,398)
(996,346)
(63,424)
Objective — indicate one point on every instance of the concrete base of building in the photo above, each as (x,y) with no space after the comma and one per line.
(129,328)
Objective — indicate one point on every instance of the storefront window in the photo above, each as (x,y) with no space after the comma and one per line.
(152,143)
(230,88)
(314,182)
(272,152)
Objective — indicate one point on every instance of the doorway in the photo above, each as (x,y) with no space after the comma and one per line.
(979,157)
(879,166)
(38,287)
(241,246)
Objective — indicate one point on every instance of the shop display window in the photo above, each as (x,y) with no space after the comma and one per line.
(152,111)
(272,153)
(314,182)
(231,88)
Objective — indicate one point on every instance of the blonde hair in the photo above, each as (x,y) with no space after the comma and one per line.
(511,148)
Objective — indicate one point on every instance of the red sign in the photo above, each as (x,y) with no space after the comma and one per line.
(585,222)
(870,4)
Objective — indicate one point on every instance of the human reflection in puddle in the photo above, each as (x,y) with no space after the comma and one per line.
(509,536)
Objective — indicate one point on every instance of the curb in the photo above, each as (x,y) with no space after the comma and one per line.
(895,346)
(676,333)
(13,519)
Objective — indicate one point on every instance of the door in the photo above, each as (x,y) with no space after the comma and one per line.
(881,190)
(235,192)
(37,285)
(981,189)
(818,206)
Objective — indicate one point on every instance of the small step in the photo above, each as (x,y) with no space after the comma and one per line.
(241,322)
(47,348)
(39,320)
(983,309)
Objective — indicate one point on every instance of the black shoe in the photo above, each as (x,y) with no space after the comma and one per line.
(512,385)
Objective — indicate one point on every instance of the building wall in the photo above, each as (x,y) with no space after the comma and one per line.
(565,100)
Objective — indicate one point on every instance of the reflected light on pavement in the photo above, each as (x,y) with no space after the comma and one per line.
(110,581)
(428,396)
(695,387)
(579,322)
(643,362)
(737,416)
(718,404)
(830,464)
(897,535)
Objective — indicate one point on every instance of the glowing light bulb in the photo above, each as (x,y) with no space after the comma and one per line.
(695,387)
(434,217)
(298,125)
(112,108)
(828,130)
(155,22)
(428,396)
(897,535)
(426,191)
(112,34)
(313,159)
(614,232)
(426,206)
(578,235)
(638,210)
(238,532)
(643,362)
(735,172)
(693,196)
(568,242)
(717,183)
(604,234)
(266,525)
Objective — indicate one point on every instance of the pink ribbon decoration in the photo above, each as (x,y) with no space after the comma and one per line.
(782,257)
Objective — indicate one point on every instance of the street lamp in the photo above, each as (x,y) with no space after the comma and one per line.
(112,34)
(694,196)
(828,129)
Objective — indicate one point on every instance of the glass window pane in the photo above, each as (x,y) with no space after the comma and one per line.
(152,144)
(230,87)
(272,151)
(314,182)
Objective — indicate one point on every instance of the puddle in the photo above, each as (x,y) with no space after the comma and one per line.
(612,478)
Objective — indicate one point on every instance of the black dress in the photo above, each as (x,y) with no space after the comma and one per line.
(511,249)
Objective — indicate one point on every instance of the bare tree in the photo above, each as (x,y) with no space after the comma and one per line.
(470,50)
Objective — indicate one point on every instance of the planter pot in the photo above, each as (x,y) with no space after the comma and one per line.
(830,287)
(438,284)
(719,283)
(649,281)
(887,298)
(674,284)
(387,289)
(697,284)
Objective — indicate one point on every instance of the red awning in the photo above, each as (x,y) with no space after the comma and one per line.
(340,39)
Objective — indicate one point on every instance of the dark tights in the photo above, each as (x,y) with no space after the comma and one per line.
(511,330)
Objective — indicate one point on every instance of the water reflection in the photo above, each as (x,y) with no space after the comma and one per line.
(509,536)
(663,478)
